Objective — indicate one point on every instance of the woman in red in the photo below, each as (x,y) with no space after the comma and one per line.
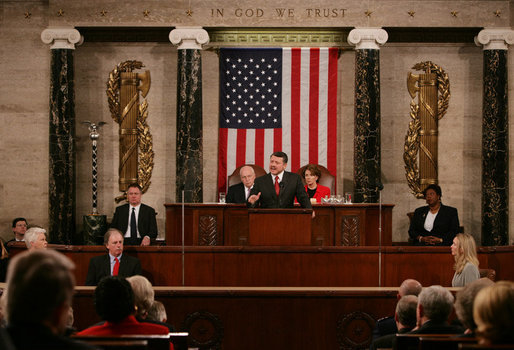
(311,174)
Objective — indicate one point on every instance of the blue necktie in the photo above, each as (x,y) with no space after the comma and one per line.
(133,225)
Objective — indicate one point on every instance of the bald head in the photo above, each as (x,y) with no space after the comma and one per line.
(409,287)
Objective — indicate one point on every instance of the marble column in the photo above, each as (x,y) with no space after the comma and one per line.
(367,168)
(61,227)
(189,153)
(495,136)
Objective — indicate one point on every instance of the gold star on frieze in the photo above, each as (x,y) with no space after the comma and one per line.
(411,13)
(368,13)
(103,13)
(27,14)
(146,13)
(497,13)
(189,13)
(454,13)
(60,13)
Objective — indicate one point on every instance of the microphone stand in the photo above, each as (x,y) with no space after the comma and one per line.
(380,187)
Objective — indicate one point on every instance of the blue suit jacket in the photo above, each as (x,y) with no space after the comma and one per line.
(100,266)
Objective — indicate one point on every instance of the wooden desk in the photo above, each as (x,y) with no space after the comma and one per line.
(227,224)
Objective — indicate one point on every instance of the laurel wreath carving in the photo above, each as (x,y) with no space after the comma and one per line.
(145,139)
(412,142)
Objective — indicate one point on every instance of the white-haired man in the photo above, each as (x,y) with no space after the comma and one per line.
(240,192)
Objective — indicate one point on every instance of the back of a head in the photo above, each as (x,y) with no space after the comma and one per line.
(437,303)
(410,287)
(157,312)
(143,294)
(114,299)
(406,310)
(464,301)
(493,312)
(38,282)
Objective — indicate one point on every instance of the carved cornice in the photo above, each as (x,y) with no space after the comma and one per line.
(61,38)
(277,37)
(495,38)
(367,38)
(189,37)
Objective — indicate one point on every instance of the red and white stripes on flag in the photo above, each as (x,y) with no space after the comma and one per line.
(308,132)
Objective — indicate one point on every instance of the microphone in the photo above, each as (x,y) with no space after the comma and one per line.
(380,186)
(281,185)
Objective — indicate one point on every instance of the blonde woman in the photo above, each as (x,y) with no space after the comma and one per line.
(493,312)
(464,252)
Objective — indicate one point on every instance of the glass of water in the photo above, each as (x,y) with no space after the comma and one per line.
(222,197)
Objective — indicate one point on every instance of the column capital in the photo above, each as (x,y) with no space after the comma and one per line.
(367,38)
(61,38)
(189,37)
(495,38)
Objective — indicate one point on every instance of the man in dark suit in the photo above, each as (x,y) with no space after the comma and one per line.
(434,224)
(238,193)
(40,293)
(279,188)
(405,318)
(135,220)
(115,263)
(435,305)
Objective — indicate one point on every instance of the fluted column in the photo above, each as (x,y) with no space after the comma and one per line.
(61,182)
(367,167)
(495,136)
(189,153)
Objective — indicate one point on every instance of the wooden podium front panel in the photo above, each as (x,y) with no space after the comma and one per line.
(323,227)
(283,227)
(236,226)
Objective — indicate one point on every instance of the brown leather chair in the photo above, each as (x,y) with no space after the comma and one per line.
(234,178)
(326,179)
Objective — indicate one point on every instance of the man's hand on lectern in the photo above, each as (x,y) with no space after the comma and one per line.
(254,198)
(313,214)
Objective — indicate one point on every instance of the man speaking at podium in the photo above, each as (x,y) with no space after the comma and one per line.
(278,188)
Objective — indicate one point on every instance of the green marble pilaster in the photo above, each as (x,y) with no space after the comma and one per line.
(61,190)
(367,165)
(189,166)
(495,155)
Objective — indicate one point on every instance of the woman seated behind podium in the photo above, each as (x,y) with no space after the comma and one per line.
(464,252)
(311,175)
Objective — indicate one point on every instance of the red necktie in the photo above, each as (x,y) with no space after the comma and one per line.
(116,267)
(277,186)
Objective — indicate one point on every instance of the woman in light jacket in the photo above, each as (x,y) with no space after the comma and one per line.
(464,251)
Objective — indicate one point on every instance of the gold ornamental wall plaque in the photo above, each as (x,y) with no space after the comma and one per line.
(135,140)
(420,150)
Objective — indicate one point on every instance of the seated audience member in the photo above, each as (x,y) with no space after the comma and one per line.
(115,304)
(35,238)
(405,318)
(387,325)
(19,227)
(113,263)
(493,312)
(38,297)
(157,312)
(144,298)
(436,223)
(464,304)
(311,175)
(435,305)
(239,193)
(464,252)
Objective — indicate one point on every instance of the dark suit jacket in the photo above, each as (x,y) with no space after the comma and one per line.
(236,193)
(30,336)
(446,224)
(146,223)
(100,266)
(290,187)
(431,327)
(386,341)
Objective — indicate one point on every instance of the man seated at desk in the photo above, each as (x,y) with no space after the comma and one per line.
(279,188)
(436,223)
(240,192)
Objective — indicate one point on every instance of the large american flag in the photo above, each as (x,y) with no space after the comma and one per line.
(277,99)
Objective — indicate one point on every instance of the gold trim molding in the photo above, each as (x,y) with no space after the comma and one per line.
(278,37)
